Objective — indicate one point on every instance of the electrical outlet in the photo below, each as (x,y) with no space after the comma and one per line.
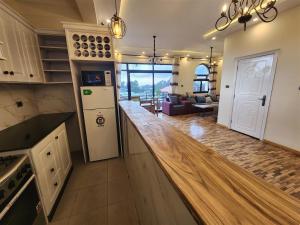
(19,104)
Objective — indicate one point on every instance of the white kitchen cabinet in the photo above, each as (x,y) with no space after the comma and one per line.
(52,163)
(20,50)
(30,54)
(12,68)
(61,141)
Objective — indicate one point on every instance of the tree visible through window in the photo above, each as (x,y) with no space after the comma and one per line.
(138,80)
(201,82)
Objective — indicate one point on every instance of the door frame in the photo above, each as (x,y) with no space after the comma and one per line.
(275,53)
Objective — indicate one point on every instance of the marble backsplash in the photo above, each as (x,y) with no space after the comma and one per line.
(10,113)
(36,100)
(54,99)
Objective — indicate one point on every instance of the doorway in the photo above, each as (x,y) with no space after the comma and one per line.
(254,82)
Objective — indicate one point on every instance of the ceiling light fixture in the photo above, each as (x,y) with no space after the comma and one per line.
(213,38)
(117,25)
(107,20)
(242,10)
(154,59)
(255,19)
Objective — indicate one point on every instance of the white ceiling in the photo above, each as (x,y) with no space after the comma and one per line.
(178,24)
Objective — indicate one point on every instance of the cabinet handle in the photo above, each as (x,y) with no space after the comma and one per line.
(31,75)
(55,184)
(5,72)
(52,170)
(12,73)
(48,153)
(56,137)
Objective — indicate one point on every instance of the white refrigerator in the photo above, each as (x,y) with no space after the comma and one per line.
(100,121)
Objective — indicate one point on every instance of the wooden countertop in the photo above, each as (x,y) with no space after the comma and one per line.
(215,190)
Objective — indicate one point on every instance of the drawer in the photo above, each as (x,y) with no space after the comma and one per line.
(48,156)
(50,169)
(54,186)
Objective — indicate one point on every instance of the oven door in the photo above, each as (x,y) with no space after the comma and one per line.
(25,207)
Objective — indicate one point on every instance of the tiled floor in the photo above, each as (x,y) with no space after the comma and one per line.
(98,193)
(273,164)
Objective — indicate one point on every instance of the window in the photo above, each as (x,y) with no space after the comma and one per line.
(201,82)
(144,80)
(202,70)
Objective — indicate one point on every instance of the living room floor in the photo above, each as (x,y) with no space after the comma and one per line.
(275,165)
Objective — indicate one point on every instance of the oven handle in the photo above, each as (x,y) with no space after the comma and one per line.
(13,170)
(15,198)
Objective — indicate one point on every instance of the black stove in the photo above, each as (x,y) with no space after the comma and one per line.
(14,172)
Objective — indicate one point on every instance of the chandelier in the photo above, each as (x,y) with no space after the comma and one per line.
(117,25)
(154,59)
(242,9)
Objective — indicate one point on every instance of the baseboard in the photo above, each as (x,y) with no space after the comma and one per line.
(221,125)
(282,146)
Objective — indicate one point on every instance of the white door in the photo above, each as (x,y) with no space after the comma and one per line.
(101,132)
(252,94)
(97,97)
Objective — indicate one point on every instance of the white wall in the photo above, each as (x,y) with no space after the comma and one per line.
(187,75)
(283,122)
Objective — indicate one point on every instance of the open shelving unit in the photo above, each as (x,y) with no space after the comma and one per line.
(55,59)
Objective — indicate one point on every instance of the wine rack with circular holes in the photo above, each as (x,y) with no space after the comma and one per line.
(91,47)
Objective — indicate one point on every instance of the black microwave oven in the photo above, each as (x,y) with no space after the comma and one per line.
(96,78)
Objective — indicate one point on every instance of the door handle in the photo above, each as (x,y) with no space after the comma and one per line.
(263,100)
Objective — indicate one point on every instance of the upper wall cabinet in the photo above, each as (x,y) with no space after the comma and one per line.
(19,49)
(30,54)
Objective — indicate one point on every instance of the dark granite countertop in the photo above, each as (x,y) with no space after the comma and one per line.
(28,133)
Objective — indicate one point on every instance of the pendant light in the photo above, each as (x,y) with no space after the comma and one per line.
(117,25)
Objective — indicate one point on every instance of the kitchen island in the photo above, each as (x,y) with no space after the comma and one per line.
(177,180)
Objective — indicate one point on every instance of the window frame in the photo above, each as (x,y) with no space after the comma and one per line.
(152,72)
(205,79)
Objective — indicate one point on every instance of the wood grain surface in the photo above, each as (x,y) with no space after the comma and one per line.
(214,189)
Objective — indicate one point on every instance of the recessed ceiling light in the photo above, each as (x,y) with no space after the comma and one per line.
(167,53)
(188,55)
(214,38)
(107,20)
(207,56)
(255,19)
(143,53)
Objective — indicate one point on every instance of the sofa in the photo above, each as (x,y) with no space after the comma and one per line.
(179,105)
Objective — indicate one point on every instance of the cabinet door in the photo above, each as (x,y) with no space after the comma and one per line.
(12,50)
(30,55)
(62,146)
(35,58)
(5,66)
(47,169)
